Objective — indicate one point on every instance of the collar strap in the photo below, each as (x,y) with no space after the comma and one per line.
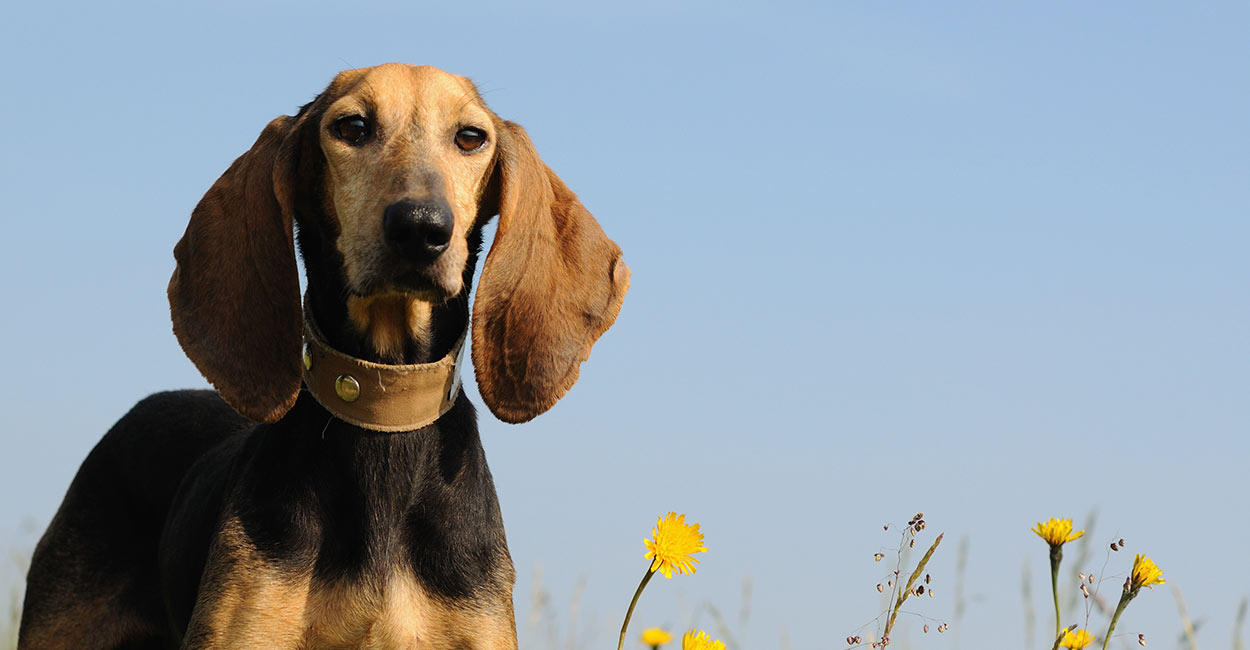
(377,396)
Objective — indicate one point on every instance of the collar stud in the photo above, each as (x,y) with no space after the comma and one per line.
(347,387)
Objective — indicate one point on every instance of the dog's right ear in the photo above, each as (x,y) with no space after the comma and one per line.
(234,296)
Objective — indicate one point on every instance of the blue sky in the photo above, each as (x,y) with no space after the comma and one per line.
(983,260)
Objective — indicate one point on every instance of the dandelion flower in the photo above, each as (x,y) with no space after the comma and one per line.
(672,544)
(1057,532)
(1145,573)
(655,637)
(1076,639)
(699,640)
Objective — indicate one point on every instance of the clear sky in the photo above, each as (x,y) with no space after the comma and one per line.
(984,260)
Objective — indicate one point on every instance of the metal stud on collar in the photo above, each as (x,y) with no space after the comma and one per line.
(347,388)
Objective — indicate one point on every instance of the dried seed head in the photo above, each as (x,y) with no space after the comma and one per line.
(1122,544)
(885,527)
(1091,578)
(920,590)
(1084,590)
(1081,576)
(1141,640)
(926,578)
(1114,546)
(930,593)
(850,640)
(926,628)
(890,584)
(859,639)
(876,557)
(911,544)
(880,588)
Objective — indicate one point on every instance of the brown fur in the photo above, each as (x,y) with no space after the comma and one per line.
(234,296)
(552,284)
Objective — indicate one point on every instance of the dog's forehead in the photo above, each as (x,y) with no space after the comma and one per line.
(398,88)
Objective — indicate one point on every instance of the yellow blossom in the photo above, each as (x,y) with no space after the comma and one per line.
(655,637)
(1145,573)
(1076,639)
(672,544)
(1057,532)
(699,640)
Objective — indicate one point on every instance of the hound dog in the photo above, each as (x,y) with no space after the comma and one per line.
(333,492)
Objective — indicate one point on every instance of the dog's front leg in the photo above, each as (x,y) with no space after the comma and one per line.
(244,600)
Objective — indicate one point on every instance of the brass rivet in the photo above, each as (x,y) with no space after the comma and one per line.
(307,358)
(347,387)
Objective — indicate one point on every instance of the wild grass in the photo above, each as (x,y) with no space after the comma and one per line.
(20,558)
(569,626)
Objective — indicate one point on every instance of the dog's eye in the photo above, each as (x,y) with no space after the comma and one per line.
(470,139)
(353,129)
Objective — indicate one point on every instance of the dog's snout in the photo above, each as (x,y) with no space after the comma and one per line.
(417,230)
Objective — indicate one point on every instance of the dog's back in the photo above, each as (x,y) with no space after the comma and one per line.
(95,565)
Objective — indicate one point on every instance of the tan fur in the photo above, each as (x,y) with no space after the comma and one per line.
(418,109)
(390,321)
(247,603)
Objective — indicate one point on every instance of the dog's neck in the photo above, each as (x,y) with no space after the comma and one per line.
(375,396)
(392,330)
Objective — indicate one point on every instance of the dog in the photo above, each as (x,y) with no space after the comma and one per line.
(332,492)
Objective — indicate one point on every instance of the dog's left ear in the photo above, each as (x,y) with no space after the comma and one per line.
(552,284)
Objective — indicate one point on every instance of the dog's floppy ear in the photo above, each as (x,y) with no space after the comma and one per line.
(234,296)
(551,285)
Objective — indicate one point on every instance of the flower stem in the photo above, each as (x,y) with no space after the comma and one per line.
(1119,609)
(1056,556)
(630,612)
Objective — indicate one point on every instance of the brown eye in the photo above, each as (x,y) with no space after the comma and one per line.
(353,129)
(470,139)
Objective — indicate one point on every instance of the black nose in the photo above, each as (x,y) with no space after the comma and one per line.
(417,230)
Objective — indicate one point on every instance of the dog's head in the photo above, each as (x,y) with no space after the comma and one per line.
(392,171)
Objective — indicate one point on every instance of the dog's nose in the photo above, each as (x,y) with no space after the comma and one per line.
(417,230)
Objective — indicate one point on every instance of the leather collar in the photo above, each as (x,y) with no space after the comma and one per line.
(377,396)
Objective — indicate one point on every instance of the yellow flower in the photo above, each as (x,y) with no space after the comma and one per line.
(1145,573)
(1076,640)
(699,640)
(655,637)
(1057,532)
(672,544)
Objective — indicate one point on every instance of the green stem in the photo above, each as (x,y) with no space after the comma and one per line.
(630,612)
(1056,556)
(1119,609)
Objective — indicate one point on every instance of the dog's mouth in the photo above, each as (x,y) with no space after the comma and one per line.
(408,283)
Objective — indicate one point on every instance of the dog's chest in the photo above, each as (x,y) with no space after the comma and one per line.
(395,614)
(400,614)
